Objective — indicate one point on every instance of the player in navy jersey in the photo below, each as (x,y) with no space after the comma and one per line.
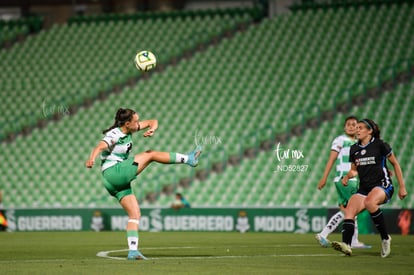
(368,160)
(118,169)
(339,156)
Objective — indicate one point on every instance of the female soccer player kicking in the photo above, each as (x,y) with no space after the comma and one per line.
(369,157)
(118,169)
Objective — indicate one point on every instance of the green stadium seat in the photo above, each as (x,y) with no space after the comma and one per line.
(305,59)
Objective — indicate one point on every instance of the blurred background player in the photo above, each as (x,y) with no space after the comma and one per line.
(118,169)
(1,199)
(340,157)
(180,202)
(404,221)
(368,160)
(3,220)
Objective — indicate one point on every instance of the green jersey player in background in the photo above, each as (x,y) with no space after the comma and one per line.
(118,169)
(340,157)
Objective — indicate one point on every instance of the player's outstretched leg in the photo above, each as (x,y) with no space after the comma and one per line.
(145,158)
(330,227)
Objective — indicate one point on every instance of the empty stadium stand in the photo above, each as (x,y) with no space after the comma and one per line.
(234,96)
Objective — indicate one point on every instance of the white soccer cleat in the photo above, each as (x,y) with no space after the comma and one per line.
(386,247)
(136,255)
(194,155)
(342,247)
(324,242)
(360,245)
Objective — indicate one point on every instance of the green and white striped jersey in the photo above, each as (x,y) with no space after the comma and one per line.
(342,145)
(119,146)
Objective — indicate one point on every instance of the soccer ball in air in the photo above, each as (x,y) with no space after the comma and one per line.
(145,61)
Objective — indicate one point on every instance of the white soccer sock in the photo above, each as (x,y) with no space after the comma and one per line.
(132,236)
(333,223)
(133,243)
(181,158)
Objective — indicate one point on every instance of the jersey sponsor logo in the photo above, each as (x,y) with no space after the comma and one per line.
(365,161)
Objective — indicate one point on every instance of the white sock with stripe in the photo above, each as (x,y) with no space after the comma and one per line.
(333,223)
(178,158)
(132,236)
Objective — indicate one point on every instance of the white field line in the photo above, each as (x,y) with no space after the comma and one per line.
(105,254)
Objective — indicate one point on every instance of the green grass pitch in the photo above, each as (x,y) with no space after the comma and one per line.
(196,253)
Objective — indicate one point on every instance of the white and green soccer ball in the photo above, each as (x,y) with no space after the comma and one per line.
(145,61)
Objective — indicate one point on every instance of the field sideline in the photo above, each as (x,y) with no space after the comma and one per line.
(195,253)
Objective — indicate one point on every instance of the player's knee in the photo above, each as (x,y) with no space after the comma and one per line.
(146,154)
(135,216)
(370,204)
(149,154)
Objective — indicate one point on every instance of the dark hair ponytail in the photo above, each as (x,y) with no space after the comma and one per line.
(121,117)
(373,126)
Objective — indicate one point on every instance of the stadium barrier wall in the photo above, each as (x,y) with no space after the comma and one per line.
(292,220)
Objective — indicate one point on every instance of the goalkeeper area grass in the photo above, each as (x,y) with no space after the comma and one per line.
(196,253)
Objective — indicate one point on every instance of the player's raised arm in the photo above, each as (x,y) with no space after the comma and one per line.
(152,124)
(102,145)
